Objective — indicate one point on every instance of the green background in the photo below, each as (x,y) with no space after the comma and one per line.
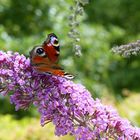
(105,24)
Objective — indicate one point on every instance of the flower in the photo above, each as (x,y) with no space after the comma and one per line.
(68,105)
(76,10)
(128,49)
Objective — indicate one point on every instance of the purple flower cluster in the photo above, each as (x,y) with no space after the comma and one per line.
(68,105)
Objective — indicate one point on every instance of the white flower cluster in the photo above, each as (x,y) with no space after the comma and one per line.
(76,11)
(128,49)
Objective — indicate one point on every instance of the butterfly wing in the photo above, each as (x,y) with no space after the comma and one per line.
(52,48)
(41,63)
(54,71)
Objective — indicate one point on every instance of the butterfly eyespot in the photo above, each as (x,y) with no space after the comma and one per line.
(54,41)
(40,51)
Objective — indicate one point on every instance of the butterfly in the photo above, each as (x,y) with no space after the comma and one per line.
(44,58)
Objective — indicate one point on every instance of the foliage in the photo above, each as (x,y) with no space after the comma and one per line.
(116,13)
(129,108)
(23,17)
(27,129)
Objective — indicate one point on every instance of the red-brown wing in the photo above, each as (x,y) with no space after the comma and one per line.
(51,47)
(39,60)
(44,66)
(52,70)
(51,52)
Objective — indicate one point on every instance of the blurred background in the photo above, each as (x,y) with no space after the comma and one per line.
(112,78)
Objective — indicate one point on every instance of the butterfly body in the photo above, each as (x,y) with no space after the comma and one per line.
(44,58)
